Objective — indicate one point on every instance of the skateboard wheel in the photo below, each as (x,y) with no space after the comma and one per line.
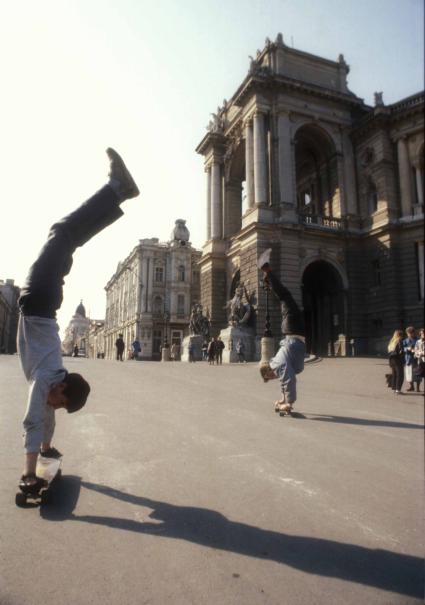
(20,499)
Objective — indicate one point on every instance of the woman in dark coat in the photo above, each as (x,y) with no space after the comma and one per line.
(396,360)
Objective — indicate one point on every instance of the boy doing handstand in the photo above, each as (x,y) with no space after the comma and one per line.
(50,386)
(289,360)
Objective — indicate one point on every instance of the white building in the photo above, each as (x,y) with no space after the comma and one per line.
(150,296)
(76,334)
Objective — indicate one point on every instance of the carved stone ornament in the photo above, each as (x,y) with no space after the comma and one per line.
(218,122)
(256,69)
(368,156)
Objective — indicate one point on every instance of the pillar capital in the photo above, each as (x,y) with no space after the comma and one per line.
(247,121)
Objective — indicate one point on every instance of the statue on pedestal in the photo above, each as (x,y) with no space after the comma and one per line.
(241,314)
(199,324)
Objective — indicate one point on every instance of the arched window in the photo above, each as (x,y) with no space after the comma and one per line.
(157,304)
(372,197)
(180,304)
(181,273)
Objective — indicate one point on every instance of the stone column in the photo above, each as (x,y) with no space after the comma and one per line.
(208,173)
(341,185)
(349,175)
(260,168)
(404,173)
(216,202)
(249,165)
(286,161)
(419,185)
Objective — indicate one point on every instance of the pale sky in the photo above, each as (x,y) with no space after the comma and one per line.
(143,77)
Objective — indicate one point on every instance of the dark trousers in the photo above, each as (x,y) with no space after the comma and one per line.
(42,293)
(119,355)
(397,377)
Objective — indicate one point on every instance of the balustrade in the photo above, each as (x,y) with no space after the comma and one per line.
(327,222)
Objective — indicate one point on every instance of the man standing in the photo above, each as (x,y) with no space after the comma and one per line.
(120,346)
(219,346)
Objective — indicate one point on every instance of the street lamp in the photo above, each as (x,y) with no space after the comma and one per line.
(165,354)
(166,320)
(267,328)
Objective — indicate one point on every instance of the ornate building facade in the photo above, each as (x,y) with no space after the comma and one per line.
(9,294)
(296,162)
(150,296)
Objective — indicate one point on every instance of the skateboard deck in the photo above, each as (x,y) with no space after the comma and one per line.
(283,410)
(48,469)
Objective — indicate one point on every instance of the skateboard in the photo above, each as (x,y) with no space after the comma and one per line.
(284,410)
(48,469)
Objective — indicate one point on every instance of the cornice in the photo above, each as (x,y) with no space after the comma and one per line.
(268,81)
(385,117)
(211,140)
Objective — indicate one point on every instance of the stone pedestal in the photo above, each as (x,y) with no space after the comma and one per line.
(230,337)
(267,348)
(165,354)
(197,341)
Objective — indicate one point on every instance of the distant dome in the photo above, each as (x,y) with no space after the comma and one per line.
(180,231)
(80,310)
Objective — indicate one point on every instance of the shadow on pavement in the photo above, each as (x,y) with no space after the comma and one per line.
(62,500)
(364,421)
(383,569)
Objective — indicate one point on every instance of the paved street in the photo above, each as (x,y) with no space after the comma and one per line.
(182,486)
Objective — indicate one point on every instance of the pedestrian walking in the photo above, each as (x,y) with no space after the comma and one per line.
(51,386)
(396,361)
(120,346)
(420,359)
(211,351)
(409,356)
(205,350)
(219,346)
(289,360)
(240,350)
(136,348)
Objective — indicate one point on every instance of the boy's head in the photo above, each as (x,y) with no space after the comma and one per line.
(70,394)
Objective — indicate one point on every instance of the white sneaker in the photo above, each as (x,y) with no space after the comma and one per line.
(121,180)
(264,258)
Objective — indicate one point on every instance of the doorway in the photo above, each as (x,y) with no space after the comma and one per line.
(324,312)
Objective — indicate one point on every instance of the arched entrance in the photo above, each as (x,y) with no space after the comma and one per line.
(323,300)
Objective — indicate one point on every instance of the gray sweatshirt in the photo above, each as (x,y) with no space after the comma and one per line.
(41,360)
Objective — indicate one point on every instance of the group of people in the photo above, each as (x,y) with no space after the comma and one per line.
(407,360)
(133,352)
(212,351)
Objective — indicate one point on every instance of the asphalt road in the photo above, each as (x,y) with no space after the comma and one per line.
(182,486)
